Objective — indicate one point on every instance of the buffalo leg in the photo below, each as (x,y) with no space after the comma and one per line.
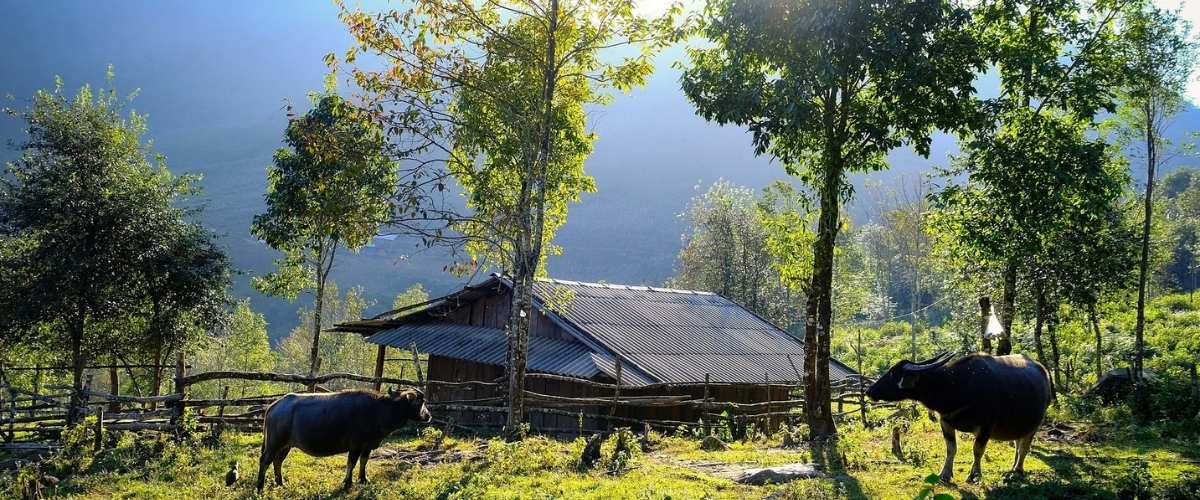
(362,466)
(951,448)
(981,441)
(1023,446)
(279,456)
(264,461)
(351,458)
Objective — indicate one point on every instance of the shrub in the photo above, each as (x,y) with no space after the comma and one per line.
(1137,483)
(623,449)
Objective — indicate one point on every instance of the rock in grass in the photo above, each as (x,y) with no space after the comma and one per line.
(780,474)
(712,443)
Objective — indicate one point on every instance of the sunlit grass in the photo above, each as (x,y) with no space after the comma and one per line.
(675,468)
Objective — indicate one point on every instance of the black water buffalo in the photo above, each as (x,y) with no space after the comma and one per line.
(992,397)
(352,422)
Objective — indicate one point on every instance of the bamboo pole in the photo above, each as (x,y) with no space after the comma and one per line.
(704,407)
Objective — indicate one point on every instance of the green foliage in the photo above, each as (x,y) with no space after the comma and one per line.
(622,451)
(727,252)
(242,345)
(339,351)
(97,255)
(414,294)
(328,188)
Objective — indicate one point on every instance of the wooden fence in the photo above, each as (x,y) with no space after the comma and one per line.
(39,414)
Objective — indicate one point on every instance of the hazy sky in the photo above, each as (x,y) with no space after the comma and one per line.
(214,78)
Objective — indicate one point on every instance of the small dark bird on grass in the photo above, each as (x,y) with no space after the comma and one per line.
(232,476)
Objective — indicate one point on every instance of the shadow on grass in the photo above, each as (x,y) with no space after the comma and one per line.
(832,459)
(1070,477)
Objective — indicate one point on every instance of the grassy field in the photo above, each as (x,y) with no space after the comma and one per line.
(861,465)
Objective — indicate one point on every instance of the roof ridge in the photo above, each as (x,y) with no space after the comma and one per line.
(617,286)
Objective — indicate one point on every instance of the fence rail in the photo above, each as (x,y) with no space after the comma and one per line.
(42,412)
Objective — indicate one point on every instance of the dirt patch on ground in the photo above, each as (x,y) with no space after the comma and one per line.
(422,457)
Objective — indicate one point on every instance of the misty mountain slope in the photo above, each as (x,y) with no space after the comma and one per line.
(215,77)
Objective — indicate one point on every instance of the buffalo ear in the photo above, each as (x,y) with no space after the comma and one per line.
(908,380)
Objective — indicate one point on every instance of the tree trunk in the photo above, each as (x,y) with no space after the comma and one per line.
(314,353)
(529,244)
(1007,308)
(914,297)
(1052,330)
(1099,341)
(1142,403)
(75,413)
(985,312)
(817,328)
(1039,314)
(114,385)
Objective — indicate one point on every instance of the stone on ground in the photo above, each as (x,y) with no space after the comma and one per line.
(713,443)
(779,474)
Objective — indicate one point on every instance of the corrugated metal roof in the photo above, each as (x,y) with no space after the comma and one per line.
(680,335)
(488,345)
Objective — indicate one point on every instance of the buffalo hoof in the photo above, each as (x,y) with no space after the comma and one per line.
(975,478)
(363,480)
(346,485)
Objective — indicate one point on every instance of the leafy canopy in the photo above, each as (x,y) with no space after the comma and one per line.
(330,187)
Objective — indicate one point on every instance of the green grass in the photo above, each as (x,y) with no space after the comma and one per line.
(675,468)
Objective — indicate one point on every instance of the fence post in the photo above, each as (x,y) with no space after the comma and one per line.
(704,407)
(86,397)
(379,366)
(616,391)
(767,382)
(114,387)
(417,365)
(37,386)
(180,388)
(98,444)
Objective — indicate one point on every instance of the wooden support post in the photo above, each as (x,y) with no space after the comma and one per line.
(37,387)
(896,449)
(114,387)
(767,383)
(12,414)
(98,444)
(379,357)
(616,390)
(416,359)
(224,397)
(180,388)
(704,407)
(985,311)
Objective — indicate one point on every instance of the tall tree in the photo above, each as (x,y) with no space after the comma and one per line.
(85,212)
(830,88)
(1160,60)
(726,252)
(498,90)
(329,189)
(1058,62)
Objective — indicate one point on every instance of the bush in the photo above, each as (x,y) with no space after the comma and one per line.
(1137,483)
(1187,486)
(623,450)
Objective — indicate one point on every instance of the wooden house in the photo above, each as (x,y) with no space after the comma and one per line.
(659,337)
